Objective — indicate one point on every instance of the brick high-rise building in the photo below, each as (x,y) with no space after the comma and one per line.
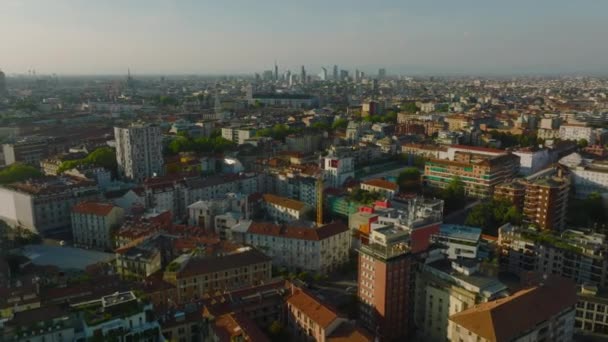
(543,199)
(386,283)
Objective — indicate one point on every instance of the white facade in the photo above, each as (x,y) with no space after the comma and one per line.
(94,230)
(532,161)
(238,134)
(298,253)
(338,170)
(139,151)
(576,133)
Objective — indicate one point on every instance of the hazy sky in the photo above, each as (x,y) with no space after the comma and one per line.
(225,36)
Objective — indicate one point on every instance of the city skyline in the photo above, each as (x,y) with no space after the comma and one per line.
(184,37)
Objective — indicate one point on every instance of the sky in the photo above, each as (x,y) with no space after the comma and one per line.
(244,36)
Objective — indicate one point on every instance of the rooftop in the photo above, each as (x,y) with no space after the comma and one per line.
(283,202)
(313,308)
(455,231)
(93,208)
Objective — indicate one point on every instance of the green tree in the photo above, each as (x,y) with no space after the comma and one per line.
(409,107)
(582,143)
(339,124)
(453,195)
(18,172)
(490,215)
(409,179)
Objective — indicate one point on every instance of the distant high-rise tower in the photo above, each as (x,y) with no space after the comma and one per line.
(139,151)
(303,75)
(288,77)
(3,89)
(276,72)
(336,73)
(323,74)
(381,73)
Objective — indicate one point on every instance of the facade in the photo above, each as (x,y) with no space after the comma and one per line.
(319,250)
(337,170)
(386,284)
(460,242)
(284,100)
(386,188)
(196,276)
(204,213)
(43,206)
(93,224)
(30,150)
(139,151)
(543,201)
(577,132)
(511,318)
(479,174)
(570,254)
(587,177)
(282,209)
(138,262)
(532,161)
(308,319)
(444,288)
(591,312)
(238,135)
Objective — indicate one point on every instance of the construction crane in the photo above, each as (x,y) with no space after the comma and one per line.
(320,200)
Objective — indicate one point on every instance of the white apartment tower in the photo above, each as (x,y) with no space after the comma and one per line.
(139,151)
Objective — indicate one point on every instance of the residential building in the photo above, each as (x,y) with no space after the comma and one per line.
(578,132)
(205,213)
(282,209)
(386,284)
(532,161)
(321,250)
(591,312)
(309,319)
(460,242)
(43,205)
(541,198)
(577,255)
(29,150)
(194,276)
(238,134)
(139,151)
(93,224)
(139,261)
(337,170)
(386,188)
(288,100)
(513,319)
(48,323)
(587,176)
(445,287)
(480,174)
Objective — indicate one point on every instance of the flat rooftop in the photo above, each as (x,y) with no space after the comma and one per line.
(65,257)
(460,232)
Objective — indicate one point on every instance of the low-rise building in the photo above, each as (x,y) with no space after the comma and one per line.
(460,242)
(513,319)
(386,188)
(282,209)
(321,250)
(43,205)
(93,224)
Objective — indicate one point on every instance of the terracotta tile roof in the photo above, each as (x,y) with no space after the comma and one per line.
(313,308)
(93,208)
(478,148)
(348,332)
(507,318)
(301,233)
(199,266)
(381,183)
(283,202)
(231,326)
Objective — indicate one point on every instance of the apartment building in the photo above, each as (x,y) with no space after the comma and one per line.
(541,313)
(587,176)
(195,276)
(44,205)
(577,132)
(459,242)
(337,170)
(139,151)
(479,173)
(282,209)
(320,250)
(591,312)
(239,134)
(386,284)
(137,262)
(309,319)
(205,214)
(577,255)
(542,200)
(29,150)
(386,188)
(445,287)
(93,224)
